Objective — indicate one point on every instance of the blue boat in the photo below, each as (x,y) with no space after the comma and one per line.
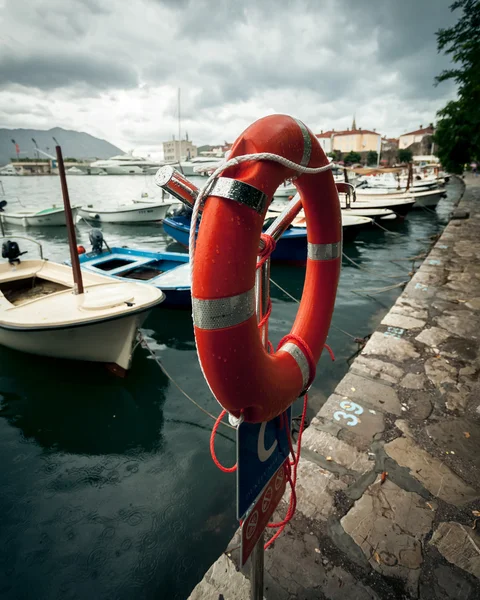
(169,271)
(290,248)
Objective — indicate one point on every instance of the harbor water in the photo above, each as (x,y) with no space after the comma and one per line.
(107,489)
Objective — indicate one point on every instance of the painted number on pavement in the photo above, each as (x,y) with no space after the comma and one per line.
(349,417)
(395,332)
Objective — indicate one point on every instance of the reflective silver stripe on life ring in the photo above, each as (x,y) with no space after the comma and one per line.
(324,251)
(307,144)
(223,312)
(241,192)
(300,359)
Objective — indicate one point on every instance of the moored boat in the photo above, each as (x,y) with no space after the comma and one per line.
(168,271)
(40,314)
(126,213)
(47,217)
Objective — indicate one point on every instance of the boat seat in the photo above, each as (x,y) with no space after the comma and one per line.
(106,296)
(138,262)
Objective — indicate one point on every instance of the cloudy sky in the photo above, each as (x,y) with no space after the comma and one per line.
(112,67)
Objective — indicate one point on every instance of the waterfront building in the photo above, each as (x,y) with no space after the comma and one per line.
(415,137)
(176,150)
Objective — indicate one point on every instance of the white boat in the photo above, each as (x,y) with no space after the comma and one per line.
(48,217)
(127,213)
(427,197)
(399,205)
(285,191)
(40,314)
(351,224)
(9,170)
(75,171)
(377,214)
(145,198)
(198,164)
(125,164)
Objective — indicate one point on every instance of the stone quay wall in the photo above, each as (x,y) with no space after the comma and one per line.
(389,480)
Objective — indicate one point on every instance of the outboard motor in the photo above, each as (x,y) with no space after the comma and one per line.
(11,250)
(3,204)
(96,240)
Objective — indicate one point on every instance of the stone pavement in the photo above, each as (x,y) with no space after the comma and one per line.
(389,481)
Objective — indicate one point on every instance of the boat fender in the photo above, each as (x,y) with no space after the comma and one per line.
(246,379)
(81,250)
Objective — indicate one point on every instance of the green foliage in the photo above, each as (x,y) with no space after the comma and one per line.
(405,156)
(458,129)
(352,157)
(336,155)
(372,158)
(26,159)
(458,136)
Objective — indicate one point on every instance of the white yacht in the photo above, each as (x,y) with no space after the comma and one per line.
(126,164)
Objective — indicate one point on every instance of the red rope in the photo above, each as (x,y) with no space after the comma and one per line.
(266,316)
(312,367)
(330,351)
(267,250)
(291,467)
(212,446)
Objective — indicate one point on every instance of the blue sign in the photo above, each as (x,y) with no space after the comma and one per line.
(261,450)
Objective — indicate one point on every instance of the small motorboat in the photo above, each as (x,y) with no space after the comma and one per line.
(145,198)
(75,171)
(400,205)
(41,314)
(168,271)
(351,224)
(420,196)
(47,217)
(126,214)
(377,214)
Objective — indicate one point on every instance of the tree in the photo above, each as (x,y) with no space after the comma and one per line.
(372,158)
(458,129)
(335,155)
(352,157)
(405,156)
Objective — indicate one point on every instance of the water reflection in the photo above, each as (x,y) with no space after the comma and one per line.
(80,408)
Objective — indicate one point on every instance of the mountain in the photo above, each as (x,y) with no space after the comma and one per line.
(75,144)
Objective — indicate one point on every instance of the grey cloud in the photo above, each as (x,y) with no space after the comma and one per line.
(325,59)
(50,71)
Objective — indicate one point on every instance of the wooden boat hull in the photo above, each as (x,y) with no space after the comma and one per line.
(110,341)
(136,214)
(54,218)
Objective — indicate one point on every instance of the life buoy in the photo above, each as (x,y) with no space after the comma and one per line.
(242,375)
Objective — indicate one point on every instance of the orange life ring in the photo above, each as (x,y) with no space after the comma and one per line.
(244,378)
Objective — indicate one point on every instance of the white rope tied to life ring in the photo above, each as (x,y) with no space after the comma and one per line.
(230,163)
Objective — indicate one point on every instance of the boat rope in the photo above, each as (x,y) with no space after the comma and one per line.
(146,345)
(428,210)
(355,339)
(394,233)
(374,291)
(367,270)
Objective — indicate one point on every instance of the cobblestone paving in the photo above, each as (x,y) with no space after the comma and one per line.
(392,513)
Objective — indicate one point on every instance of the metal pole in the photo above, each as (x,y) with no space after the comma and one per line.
(72,240)
(262,297)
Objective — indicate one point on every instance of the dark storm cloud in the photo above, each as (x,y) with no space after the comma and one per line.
(52,71)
